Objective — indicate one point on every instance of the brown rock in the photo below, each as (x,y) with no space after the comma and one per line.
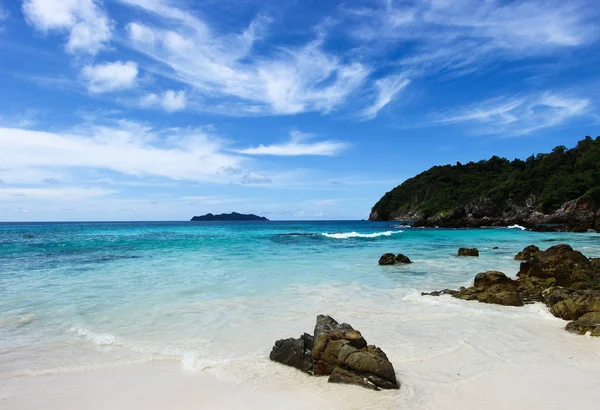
(560,262)
(341,375)
(571,305)
(590,322)
(391,259)
(490,278)
(526,253)
(468,252)
(402,259)
(387,259)
(340,351)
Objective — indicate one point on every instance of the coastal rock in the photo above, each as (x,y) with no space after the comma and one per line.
(590,322)
(387,259)
(391,259)
(571,304)
(526,253)
(481,208)
(294,352)
(339,351)
(345,376)
(402,259)
(468,252)
(560,262)
(491,287)
(562,278)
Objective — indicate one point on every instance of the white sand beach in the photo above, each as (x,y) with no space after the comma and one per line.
(448,354)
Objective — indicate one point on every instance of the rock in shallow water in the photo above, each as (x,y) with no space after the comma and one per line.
(387,259)
(340,351)
(564,279)
(391,259)
(468,252)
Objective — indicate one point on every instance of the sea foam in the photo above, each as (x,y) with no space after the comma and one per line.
(348,235)
(517,227)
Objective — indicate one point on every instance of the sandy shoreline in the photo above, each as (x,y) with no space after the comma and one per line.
(519,358)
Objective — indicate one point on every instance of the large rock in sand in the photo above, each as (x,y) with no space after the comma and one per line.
(590,322)
(339,351)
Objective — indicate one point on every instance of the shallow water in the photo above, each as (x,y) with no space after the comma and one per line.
(214,296)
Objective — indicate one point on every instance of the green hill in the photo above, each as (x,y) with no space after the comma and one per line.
(544,182)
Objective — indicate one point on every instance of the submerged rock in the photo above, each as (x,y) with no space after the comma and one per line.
(340,352)
(468,252)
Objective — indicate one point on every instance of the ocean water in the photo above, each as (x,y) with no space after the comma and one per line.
(215,296)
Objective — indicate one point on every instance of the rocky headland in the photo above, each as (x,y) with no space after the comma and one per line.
(340,352)
(558,191)
(564,279)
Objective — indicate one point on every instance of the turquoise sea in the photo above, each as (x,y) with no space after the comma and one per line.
(214,296)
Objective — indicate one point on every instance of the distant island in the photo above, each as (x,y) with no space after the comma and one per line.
(559,190)
(234,216)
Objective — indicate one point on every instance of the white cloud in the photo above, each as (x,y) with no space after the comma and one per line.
(126,148)
(297,146)
(173,101)
(86,22)
(140,34)
(224,66)
(170,100)
(108,77)
(30,176)
(386,90)
(441,35)
(518,115)
(67,193)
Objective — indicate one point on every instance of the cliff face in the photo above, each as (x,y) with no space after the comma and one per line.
(579,215)
(555,191)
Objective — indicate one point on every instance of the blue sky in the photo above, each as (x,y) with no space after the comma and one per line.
(164,109)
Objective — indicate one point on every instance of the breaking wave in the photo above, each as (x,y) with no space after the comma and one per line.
(348,235)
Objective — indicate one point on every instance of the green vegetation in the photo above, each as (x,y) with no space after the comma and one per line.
(553,178)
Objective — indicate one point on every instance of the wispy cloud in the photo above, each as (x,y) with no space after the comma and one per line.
(386,90)
(86,22)
(299,144)
(455,35)
(126,148)
(287,80)
(108,77)
(67,193)
(517,115)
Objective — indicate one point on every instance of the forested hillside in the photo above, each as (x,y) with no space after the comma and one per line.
(546,180)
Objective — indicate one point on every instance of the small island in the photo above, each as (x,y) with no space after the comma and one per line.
(234,216)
